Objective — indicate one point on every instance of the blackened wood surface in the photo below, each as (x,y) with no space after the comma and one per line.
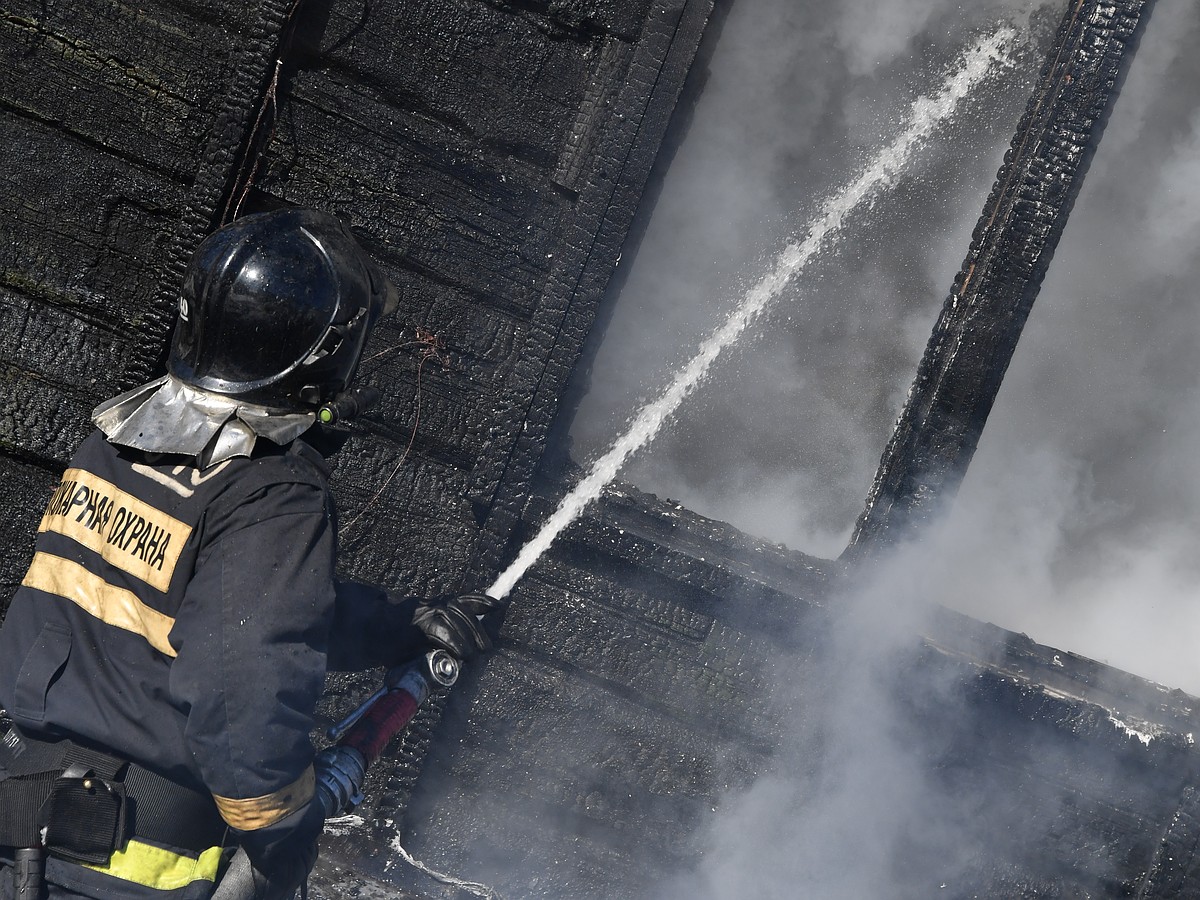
(977,331)
(491,154)
(119,125)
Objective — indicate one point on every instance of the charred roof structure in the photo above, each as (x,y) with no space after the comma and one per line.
(655,666)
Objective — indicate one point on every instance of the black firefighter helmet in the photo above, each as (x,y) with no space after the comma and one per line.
(276,308)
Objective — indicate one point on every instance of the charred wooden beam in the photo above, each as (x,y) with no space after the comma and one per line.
(979,326)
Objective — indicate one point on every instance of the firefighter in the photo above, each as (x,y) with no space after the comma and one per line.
(164,654)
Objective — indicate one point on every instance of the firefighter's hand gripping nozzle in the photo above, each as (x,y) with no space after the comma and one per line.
(361,736)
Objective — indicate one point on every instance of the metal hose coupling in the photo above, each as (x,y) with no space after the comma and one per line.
(434,672)
(340,773)
(439,669)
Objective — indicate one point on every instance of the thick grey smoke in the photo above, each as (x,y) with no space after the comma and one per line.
(1078,517)
(801,96)
(848,808)
(1078,520)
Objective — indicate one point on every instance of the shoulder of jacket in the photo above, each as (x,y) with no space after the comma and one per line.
(297,463)
(241,478)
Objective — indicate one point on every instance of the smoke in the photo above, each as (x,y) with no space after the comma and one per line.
(893,779)
(847,805)
(1076,518)
(928,112)
(809,396)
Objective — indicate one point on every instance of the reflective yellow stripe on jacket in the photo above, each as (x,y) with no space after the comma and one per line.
(108,603)
(126,531)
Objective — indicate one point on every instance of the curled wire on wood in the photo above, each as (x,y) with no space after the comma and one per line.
(429,347)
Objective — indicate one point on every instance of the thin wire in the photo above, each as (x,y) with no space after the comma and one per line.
(435,349)
(269,102)
(255,148)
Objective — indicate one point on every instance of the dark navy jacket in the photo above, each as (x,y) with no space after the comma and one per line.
(185,619)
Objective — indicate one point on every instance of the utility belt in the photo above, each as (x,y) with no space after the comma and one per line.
(83,804)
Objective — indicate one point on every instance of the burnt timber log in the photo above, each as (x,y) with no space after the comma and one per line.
(974,338)
(493,154)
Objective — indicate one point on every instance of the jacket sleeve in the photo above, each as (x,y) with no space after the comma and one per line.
(252,637)
(372,629)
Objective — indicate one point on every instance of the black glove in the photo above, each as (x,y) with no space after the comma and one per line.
(455,626)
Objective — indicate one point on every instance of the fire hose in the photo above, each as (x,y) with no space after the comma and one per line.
(362,735)
(359,740)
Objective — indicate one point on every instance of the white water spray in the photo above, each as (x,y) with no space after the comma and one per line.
(926,114)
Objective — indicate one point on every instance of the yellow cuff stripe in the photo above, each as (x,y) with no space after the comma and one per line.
(259,812)
(161,869)
(110,604)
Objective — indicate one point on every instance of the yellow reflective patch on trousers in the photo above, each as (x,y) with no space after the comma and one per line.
(164,870)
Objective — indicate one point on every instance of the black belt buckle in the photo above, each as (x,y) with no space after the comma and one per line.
(85,817)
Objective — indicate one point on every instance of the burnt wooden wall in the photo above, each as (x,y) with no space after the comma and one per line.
(1011,249)
(491,155)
